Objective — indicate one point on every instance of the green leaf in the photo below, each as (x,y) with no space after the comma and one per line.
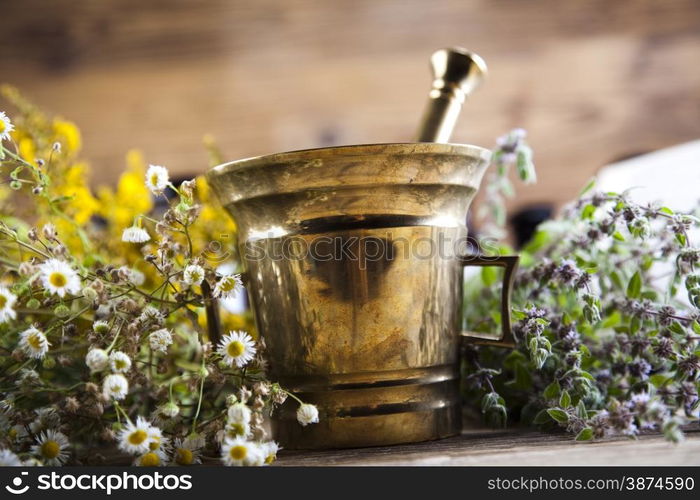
(634,287)
(523,378)
(518,315)
(666,211)
(585,374)
(585,434)
(581,409)
(525,167)
(616,280)
(588,211)
(659,379)
(680,237)
(676,327)
(588,187)
(541,418)
(565,399)
(612,320)
(558,415)
(617,235)
(538,241)
(635,324)
(489,275)
(552,391)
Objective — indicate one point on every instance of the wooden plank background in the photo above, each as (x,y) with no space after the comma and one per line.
(591,80)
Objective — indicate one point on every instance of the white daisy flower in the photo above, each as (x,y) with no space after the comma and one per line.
(115,386)
(7,304)
(193,275)
(7,458)
(239,413)
(157,179)
(46,418)
(135,234)
(240,451)
(59,278)
(150,459)
(157,442)
(237,348)
(28,377)
(307,414)
(34,343)
(7,405)
(17,433)
(5,126)
(228,286)
(160,340)
(52,447)
(135,438)
(187,451)
(236,429)
(151,314)
(100,327)
(120,362)
(270,450)
(97,360)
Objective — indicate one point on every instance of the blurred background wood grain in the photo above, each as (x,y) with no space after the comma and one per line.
(591,81)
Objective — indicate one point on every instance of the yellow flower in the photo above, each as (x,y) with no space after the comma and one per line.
(131,197)
(26,146)
(81,204)
(68,135)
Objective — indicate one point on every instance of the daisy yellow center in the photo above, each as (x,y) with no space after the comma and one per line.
(238,452)
(34,340)
(154,179)
(227,285)
(50,449)
(2,126)
(12,433)
(237,429)
(150,460)
(137,437)
(183,456)
(58,279)
(116,388)
(270,458)
(3,299)
(120,364)
(235,348)
(155,444)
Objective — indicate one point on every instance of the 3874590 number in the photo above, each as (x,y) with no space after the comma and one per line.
(659,483)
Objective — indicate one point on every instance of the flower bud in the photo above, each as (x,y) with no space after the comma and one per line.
(89,293)
(61,311)
(33,304)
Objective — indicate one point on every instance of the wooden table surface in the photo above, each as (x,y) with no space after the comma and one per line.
(511,448)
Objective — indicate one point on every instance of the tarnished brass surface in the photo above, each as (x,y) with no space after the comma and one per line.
(371,339)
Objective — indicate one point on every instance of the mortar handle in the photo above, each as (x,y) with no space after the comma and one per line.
(456,73)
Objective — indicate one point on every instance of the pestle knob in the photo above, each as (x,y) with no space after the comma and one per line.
(456,73)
